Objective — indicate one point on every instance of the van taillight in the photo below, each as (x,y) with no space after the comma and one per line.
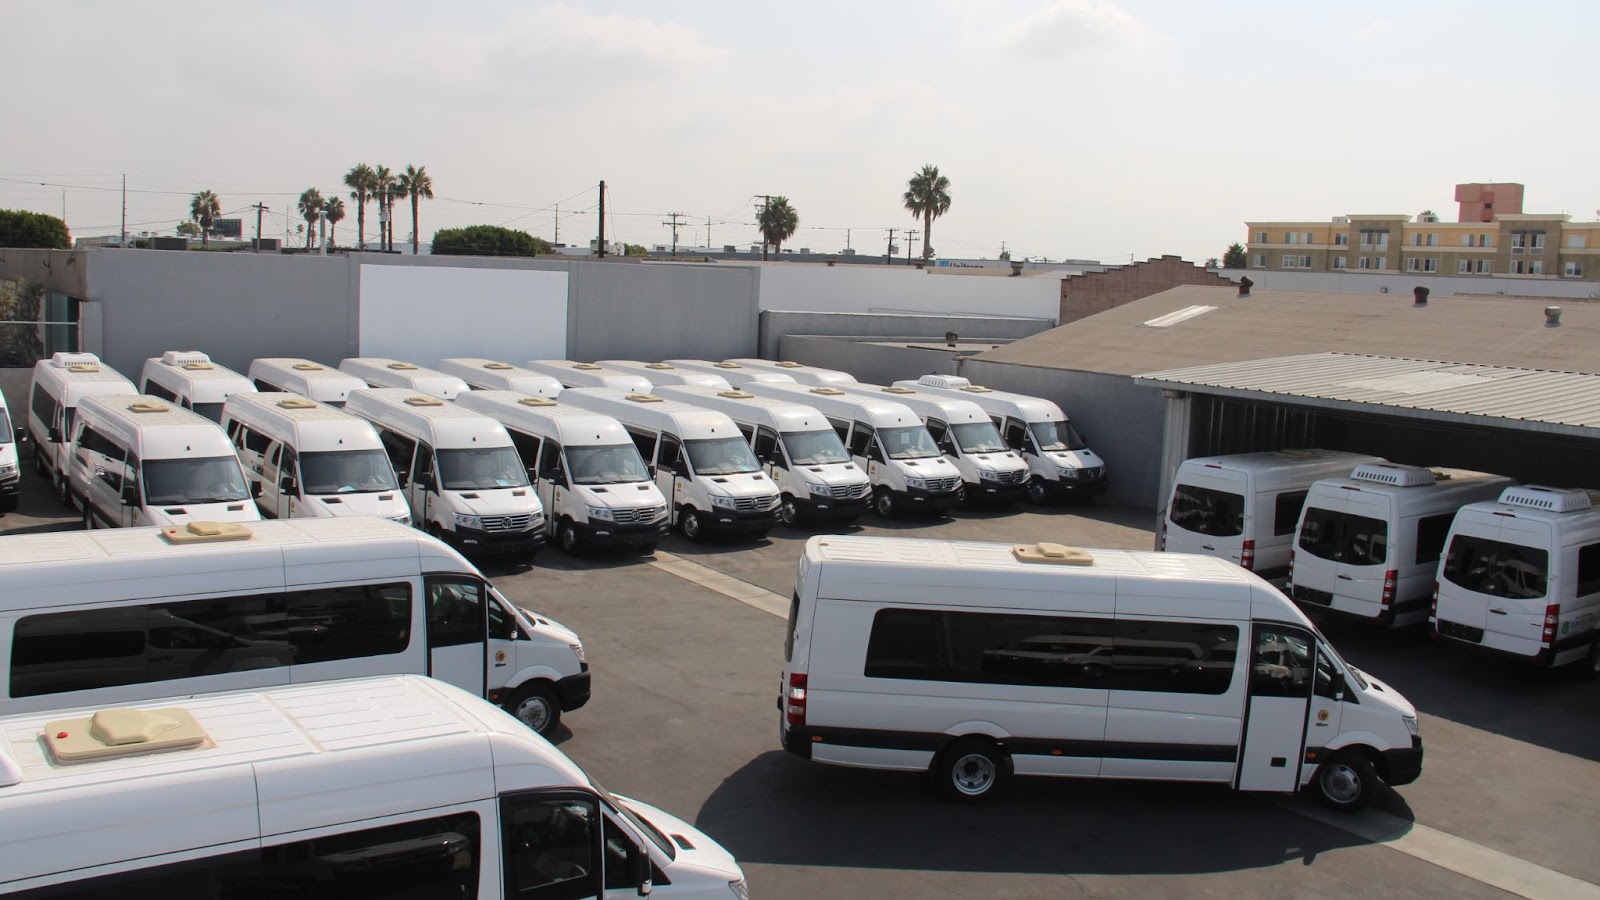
(1247,556)
(1391,580)
(1161,536)
(795,703)
(1291,564)
(1433,608)
(1552,618)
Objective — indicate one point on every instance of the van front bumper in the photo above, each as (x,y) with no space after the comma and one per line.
(995,492)
(1075,487)
(476,539)
(574,690)
(918,498)
(10,490)
(609,534)
(733,520)
(834,507)
(1403,765)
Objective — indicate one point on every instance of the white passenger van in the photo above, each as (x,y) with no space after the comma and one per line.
(1244,507)
(139,460)
(698,458)
(1369,545)
(191,380)
(458,469)
(1060,463)
(581,374)
(304,377)
(215,607)
(592,483)
(59,384)
(814,376)
(966,436)
(310,460)
(978,661)
(888,440)
(1521,576)
(394,373)
(10,462)
(733,373)
(493,375)
(664,373)
(796,446)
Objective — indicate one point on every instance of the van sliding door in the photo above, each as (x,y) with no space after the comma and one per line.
(458,630)
(1282,670)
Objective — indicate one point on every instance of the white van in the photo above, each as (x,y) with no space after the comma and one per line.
(797,447)
(814,376)
(592,483)
(1060,463)
(59,384)
(663,373)
(581,374)
(394,373)
(1521,576)
(698,458)
(733,373)
(139,460)
(976,661)
(191,380)
(888,440)
(374,787)
(1244,508)
(1369,545)
(10,462)
(215,607)
(493,375)
(304,377)
(458,469)
(310,460)
(967,437)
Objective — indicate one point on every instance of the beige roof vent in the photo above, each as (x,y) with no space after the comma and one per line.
(206,533)
(83,367)
(198,366)
(790,364)
(977,389)
(587,367)
(659,366)
(1299,452)
(644,398)
(1052,554)
(148,406)
(827,391)
(498,366)
(727,365)
(536,401)
(735,395)
(297,403)
(401,365)
(112,733)
(423,400)
(308,367)
(896,389)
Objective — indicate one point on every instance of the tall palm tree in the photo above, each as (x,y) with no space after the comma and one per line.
(204,209)
(927,195)
(334,207)
(777,221)
(310,203)
(418,185)
(359,179)
(385,187)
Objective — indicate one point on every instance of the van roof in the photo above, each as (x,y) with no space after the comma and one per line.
(1414,481)
(1024,406)
(136,412)
(77,369)
(377,369)
(691,422)
(787,415)
(295,367)
(732,372)
(794,368)
(570,424)
(313,426)
(189,367)
(665,372)
(881,412)
(409,408)
(496,375)
(1566,508)
(270,753)
(1286,460)
(954,410)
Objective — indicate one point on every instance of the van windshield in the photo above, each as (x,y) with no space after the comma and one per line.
(814,448)
(721,456)
(1056,436)
(1345,538)
(346,472)
(481,469)
(212,411)
(1206,511)
(1497,568)
(911,442)
(169,482)
(615,464)
(977,437)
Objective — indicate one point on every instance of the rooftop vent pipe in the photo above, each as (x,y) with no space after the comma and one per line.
(1552,317)
(1244,286)
(1419,296)
(950,338)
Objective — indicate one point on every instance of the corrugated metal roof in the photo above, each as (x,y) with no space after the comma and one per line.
(1524,399)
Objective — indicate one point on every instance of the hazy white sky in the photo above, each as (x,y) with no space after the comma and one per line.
(1073,128)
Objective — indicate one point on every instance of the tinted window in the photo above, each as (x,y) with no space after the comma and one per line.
(646,442)
(766,446)
(860,440)
(5,426)
(1497,568)
(671,453)
(400,450)
(156,390)
(1588,570)
(44,406)
(212,411)
(1345,538)
(1016,435)
(906,643)
(550,466)
(527,450)
(455,612)
(1286,511)
(255,441)
(215,637)
(1206,511)
(937,429)
(1173,657)
(1281,662)
(1431,532)
(841,428)
(209,480)
(552,845)
(334,623)
(76,651)
(346,472)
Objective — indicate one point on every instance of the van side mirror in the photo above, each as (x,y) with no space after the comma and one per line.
(643,871)
(130,493)
(425,482)
(54,434)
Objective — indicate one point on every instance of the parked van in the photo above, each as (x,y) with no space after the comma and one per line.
(966,436)
(309,460)
(592,483)
(139,460)
(733,373)
(581,374)
(458,470)
(663,373)
(212,607)
(10,462)
(698,458)
(1244,508)
(304,377)
(1369,545)
(795,446)
(814,376)
(188,378)
(59,384)
(1060,463)
(888,440)
(492,375)
(394,373)
(974,662)
(1521,576)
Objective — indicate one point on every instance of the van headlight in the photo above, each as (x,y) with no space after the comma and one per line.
(8,470)
(600,512)
(723,502)
(820,490)
(920,484)
(577,650)
(1066,473)
(988,475)
(740,889)
(1411,724)
(404,519)
(468,521)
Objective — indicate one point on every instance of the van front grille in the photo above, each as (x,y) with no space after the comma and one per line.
(638,515)
(1012,477)
(850,491)
(507,523)
(754,504)
(943,485)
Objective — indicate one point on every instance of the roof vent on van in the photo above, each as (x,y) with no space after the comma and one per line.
(827,391)
(401,365)
(147,406)
(1551,499)
(536,401)
(587,367)
(73,360)
(307,367)
(727,365)
(659,366)
(297,403)
(1300,452)
(498,366)
(976,389)
(896,389)
(789,364)
(1389,473)
(735,394)
(423,400)
(644,398)
(206,533)
(943,381)
(198,366)
(1052,554)
(184,357)
(112,733)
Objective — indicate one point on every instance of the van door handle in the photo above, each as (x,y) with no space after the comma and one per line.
(1498,612)
(1207,547)
(1345,578)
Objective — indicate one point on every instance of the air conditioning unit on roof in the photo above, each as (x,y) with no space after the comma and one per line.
(1388,473)
(184,357)
(1533,496)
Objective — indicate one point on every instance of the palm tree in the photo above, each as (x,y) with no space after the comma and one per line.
(310,203)
(359,179)
(418,185)
(927,195)
(777,222)
(385,187)
(204,209)
(334,207)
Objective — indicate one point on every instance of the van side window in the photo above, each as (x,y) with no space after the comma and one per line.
(263,386)
(1016,435)
(842,427)
(861,443)
(400,449)
(990,648)
(1431,532)
(671,453)
(550,467)
(157,390)
(290,466)
(937,430)
(455,611)
(747,431)
(255,441)
(645,441)
(527,450)
(424,462)
(1281,662)
(1286,511)
(1173,657)
(551,845)
(766,446)
(44,406)
(349,622)
(1588,570)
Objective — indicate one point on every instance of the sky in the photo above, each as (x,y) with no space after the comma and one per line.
(1085,129)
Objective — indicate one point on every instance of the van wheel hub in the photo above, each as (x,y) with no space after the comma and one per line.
(1341,783)
(789,512)
(973,774)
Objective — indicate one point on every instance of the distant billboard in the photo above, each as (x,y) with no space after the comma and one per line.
(229,228)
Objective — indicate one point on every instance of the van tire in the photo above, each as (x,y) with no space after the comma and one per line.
(970,770)
(1035,489)
(88,517)
(694,528)
(789,511)
(1590,668)
(38,463)
(884,503)
(1346,782)
(536,706)
(64,491)
(567,537)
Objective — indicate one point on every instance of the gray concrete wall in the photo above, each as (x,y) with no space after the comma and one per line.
(14,385)
(651,312)
(872,363)
(775,324)
(59,270)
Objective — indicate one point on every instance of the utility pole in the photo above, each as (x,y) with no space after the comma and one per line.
(766,201)
(558,225)
(675,217)
(322,230)
(124,243)
(259,209)
(911,236)
(709,245)
(602,220)
(888,252)
(847,239)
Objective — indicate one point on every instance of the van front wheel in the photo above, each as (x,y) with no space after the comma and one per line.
(885,504)
(1346,782)
(969,770)
(693,528)
(537,707)
(568,536)
(1036,490)
(789,512)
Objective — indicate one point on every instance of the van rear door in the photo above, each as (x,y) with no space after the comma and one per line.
(1495,583)
(1365,548)
(1207,513)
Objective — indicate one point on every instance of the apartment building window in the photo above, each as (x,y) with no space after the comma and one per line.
(1416,240)
(1338,262)
(1485,267)
(1466,240)
(1577,241)
(1463,267)
(1307,235)
(1366,239)
(1535,267)
(1380,262)
(1519,267)
(1519,241)
(1485,240)
(1538,241)
(1259,261)
(1572,270)
(1413,265)
(1287,262)
(1341,239)
(1422,265)
(1261,237)
(1430,265)
(1305,262)
(1433,240)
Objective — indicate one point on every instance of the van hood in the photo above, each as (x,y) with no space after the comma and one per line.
(627,495)
(1381,693)
(548,626)
(745,484)
(8,454)
(929,467)
(1007,461)
(835,473)
(496,502)
(183,514)
(384,504)
(1075,459)
(705,854)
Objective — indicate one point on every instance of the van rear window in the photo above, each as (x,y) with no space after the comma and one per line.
(1497,568)
(1206,511)
(1344,538)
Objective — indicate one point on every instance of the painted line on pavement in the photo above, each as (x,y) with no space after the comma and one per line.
(726,585)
